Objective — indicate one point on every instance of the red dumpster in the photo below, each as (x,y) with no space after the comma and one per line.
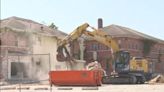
(76,78)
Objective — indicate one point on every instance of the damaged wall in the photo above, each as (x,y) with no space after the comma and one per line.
(21,36)
(32,66)
(11,43)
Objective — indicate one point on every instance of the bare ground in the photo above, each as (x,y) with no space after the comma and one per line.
(103,88)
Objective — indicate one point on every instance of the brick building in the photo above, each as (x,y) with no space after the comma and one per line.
(19,36)
(138,44)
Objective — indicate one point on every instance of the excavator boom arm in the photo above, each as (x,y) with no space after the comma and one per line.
(103,38)
(74,35)
(97,35)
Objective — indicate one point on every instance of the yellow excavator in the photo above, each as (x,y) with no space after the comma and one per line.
(140,64)
(124,68)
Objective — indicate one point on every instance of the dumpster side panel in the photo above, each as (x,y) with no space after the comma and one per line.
(82,77)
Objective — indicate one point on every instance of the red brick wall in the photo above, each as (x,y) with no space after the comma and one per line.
(9,38)
(11,43)
(134,46)
(158,53)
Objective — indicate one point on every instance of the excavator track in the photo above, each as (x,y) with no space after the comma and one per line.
(123,79)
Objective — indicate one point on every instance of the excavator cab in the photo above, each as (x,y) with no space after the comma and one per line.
(121,61)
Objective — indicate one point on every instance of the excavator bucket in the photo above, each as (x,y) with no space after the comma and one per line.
(60,55)
(63,54)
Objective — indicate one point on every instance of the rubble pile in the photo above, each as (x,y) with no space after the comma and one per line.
(158,79)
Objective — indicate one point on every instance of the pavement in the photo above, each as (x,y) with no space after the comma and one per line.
(103,88)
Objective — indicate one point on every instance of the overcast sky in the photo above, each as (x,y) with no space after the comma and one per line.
(146,16)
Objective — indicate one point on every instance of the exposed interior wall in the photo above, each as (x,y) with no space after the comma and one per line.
(48,45)
(45,45)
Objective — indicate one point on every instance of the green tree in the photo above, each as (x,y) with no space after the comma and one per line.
(53,26)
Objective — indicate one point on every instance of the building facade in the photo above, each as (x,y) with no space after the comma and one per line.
(28,49)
